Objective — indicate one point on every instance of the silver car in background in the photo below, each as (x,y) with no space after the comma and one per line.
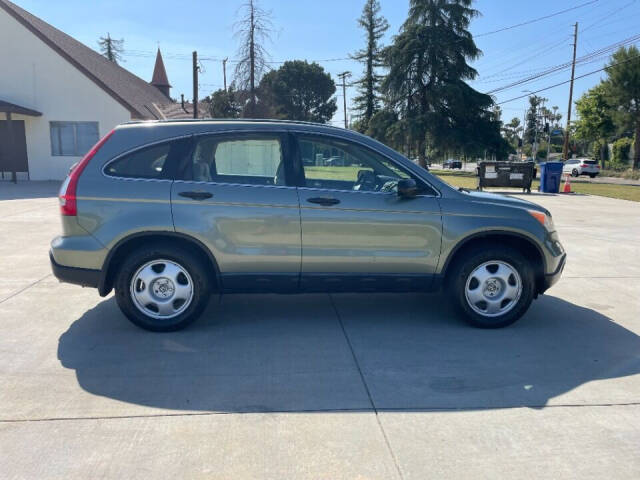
(581,166)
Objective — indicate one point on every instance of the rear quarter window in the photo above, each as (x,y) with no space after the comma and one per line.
(147,162)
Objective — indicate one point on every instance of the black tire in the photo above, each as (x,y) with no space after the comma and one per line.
(190,262)
(593,175)
(465,265)
(575,173)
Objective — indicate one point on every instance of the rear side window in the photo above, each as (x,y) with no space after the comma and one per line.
(147,162)
(252,161)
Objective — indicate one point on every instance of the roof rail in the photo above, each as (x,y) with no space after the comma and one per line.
(236,120)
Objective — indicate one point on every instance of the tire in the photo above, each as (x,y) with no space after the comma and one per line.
(178,298)
(575,173)
(593,175)
(482,261)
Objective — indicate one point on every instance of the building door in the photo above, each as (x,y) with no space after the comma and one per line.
(13,147)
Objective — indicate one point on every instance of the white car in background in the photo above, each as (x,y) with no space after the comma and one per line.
(581,166)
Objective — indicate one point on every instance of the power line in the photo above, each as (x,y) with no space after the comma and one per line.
(610,14)
(567,81)
(590,56)
(529,22)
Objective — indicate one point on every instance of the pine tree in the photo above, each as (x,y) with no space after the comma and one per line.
(254,30)
(426,81)
(367,103)
(111,49)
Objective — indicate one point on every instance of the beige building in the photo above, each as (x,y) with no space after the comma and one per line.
(57,96)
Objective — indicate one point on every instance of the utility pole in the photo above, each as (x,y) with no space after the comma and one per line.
(565,148)
(224,72)
(343,76)
(195,84)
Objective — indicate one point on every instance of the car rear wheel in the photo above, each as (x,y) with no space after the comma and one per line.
(492,287)
(161,288)
(575,172)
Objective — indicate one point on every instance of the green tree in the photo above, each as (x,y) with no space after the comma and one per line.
(427,71)
(111,49)
(595,119)
(532,127)
(511,131)
(225,103)
(299,90)
(367,103)
(385,127)
(623,88)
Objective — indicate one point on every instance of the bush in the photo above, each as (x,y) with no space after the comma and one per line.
(621,149)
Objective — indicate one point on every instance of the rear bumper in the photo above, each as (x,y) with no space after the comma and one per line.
(77,276)
(551,278)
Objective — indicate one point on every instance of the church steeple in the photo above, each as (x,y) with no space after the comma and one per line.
(160,80)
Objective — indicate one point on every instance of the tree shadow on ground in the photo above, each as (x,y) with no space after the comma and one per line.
(259,353)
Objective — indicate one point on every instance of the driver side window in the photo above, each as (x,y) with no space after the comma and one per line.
(337,165)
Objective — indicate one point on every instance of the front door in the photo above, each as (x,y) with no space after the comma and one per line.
(231,194)
(357,233)
(13,147)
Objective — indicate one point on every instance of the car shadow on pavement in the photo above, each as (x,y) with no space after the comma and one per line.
(28,189)
(265,353)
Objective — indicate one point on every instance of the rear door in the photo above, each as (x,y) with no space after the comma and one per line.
(231,193)
(357,233)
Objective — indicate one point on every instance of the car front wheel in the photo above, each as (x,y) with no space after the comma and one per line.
(161,288)
(492,287)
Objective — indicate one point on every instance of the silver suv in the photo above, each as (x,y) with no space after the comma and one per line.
(168,212)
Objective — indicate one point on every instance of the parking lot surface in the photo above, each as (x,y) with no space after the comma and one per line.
(323,386)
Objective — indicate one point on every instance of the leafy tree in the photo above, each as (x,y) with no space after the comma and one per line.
(621,149)
(111,48)
(595,118)
(511,131)
(299,90)
(386,127)
(225,103)
(253,30)
(531,126)
(367,103)
(426,80)
(623,88)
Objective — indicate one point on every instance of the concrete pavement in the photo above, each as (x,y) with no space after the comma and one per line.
(319,386)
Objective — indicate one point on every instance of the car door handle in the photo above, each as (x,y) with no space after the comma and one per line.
(326,201)
(196,195)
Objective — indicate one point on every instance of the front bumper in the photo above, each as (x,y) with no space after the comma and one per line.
(551,278)
(77,276)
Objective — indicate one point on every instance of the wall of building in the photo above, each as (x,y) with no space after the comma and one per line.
(35,76)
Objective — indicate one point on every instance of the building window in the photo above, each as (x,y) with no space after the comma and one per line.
(73,138)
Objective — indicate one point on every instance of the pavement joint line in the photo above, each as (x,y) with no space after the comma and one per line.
(601,276)
(11,295)
(364,382)
(328,410)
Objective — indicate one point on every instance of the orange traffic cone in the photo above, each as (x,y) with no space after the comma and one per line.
(567,184)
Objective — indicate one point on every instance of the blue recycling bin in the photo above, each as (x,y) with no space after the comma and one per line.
(550,176)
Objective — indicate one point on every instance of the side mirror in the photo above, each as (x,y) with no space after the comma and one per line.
(407,188)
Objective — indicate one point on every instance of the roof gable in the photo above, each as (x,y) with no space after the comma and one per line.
(129,90)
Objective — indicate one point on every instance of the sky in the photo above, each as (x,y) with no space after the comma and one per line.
(327,32)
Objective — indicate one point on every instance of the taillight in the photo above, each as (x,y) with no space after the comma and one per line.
(584,165)
(597,166)
(68,204)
